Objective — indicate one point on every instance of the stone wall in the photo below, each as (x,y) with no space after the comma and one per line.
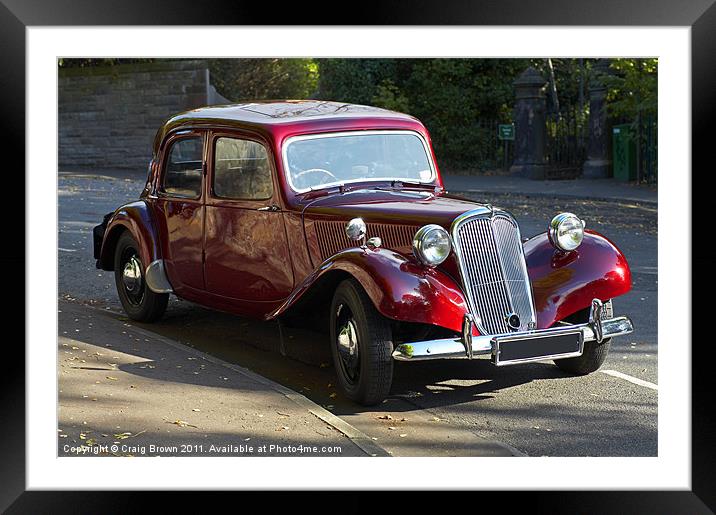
(108,116)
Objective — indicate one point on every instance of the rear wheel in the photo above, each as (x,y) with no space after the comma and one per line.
(594,353)
(362,346)
(139,302)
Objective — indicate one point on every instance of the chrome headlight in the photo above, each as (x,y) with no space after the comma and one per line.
(566,231)
(431,245)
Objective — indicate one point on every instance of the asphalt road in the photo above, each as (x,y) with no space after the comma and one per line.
(435,408)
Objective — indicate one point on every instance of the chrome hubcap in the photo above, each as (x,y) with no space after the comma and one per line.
(347,343)
(347,339)
(132,275)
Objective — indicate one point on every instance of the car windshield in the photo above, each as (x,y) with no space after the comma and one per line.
(314,162)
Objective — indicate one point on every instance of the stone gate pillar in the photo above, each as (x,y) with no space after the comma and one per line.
(598,161)
(529,117)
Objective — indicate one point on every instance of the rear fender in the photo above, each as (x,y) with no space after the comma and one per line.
(136,218)
(399,289)
(566,282)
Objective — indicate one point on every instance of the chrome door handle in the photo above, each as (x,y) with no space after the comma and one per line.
(272,207)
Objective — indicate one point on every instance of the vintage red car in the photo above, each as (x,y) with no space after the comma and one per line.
(334,212)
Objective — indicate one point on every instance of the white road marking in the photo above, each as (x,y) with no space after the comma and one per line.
(66,250)
(631,379)
(652,270)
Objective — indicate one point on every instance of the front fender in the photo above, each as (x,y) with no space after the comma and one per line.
(399,289)
(135,217)
(566,282)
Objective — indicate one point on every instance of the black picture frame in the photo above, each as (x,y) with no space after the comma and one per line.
(700,15)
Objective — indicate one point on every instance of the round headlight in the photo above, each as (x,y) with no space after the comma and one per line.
(431,245)
(566,231)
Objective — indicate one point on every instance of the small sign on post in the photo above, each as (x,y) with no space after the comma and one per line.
(506,131)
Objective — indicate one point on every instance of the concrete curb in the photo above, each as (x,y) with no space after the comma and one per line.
(570,196)
(360,439)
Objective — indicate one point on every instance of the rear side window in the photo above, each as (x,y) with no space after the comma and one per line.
(241,170)
(183,171)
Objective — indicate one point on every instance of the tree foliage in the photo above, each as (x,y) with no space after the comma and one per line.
(261,79)
(632,88)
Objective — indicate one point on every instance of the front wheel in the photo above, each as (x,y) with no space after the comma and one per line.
(594,353)
(139,302)
(362,346)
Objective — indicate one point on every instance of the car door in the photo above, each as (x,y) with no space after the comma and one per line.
(180,208)
(246,249)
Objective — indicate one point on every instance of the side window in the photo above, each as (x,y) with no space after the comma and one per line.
(241,170)
(183,170)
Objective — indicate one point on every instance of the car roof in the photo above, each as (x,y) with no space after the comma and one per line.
(282,115)
(282,111)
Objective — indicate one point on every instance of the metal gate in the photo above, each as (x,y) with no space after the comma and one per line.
(565,144)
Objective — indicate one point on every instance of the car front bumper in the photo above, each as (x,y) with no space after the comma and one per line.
(469,346)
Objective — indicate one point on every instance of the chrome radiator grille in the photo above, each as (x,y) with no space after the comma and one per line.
(494,273)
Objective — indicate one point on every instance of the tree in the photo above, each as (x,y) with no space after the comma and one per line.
(632,88)
(253,79)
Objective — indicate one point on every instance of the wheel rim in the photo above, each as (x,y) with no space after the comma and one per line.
(132,279)
(347,343)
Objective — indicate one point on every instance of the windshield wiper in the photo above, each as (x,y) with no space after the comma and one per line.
(413,184)
(314,192)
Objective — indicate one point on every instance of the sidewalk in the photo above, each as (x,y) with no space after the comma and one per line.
(126,391)
(593,189)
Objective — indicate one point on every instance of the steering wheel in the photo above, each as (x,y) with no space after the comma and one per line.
(313,170)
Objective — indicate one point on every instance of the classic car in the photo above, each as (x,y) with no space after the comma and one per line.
(337,214)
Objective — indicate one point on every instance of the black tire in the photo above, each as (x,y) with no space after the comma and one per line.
(140,303)
(593,356)
(365,379)
(590,361)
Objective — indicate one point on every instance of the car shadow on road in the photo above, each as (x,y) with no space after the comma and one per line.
(466,379)
(302,361)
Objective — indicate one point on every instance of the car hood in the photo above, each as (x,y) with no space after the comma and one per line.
(409,207)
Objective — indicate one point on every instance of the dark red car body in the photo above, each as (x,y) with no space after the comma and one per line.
(263,258)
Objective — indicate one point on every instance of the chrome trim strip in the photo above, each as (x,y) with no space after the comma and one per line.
(156,277)
(454,348)
(288,141)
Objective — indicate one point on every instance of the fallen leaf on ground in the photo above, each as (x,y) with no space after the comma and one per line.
(182,423)
(111,378)
(385,417)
